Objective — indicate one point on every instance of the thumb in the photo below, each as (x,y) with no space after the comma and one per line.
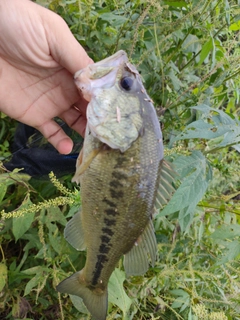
(64,48)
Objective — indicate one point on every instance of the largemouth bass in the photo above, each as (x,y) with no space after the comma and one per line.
(123,177)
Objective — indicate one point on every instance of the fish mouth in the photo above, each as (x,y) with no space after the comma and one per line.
(101,74)
(113,61)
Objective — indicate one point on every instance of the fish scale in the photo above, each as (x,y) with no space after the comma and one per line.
(123,177)
(118,204)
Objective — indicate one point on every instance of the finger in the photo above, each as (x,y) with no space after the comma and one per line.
(64,48)
(76,119)
(56,136)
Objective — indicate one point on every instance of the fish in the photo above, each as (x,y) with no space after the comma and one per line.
(123,179)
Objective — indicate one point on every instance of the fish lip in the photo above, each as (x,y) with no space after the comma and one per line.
(112,62)
(115,60)
(77,74)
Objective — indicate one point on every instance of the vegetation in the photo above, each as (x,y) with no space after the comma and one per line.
(189,56)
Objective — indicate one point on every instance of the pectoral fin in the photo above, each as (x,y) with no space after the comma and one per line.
(81,165)
(74,233)
(136,261)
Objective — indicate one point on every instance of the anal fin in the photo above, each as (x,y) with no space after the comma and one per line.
(74,233)
(136,261)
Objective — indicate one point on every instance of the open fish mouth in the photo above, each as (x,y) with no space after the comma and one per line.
(112,87)
(102,74)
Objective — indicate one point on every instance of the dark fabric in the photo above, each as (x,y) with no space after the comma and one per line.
(37,157)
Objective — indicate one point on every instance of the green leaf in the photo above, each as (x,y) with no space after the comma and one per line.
(55,239)
(235,26)
(182,300)
(180,4)
(32,283)
(117,294)
(78,304)
(115,20)
(3,190)
(228,237)
(23,223)
(191,44)
(33,270)
(206,49)
(3,275)
(195,174)
(232,251)
(215,124)
(226,232)
(13,177)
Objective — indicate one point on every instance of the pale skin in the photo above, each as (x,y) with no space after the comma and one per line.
(38,57)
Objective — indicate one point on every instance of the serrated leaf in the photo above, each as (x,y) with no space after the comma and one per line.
(52,215)
(232,251)
(226,232)
(23,223)
(117,294)
(194,173)
(3,275)
(216,124)
(114,19)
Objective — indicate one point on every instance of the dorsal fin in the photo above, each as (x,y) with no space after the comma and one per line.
(165,189)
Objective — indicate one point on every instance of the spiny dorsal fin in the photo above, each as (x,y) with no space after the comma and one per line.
(74,233)
(136,261)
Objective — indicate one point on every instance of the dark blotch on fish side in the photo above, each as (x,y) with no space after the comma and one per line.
(110,203)
(116,194)
(120,161)
(115,184)
(110,222)
(111,212)
(101,259)
(119,175)
(108,231)
(105,239)
(104,248)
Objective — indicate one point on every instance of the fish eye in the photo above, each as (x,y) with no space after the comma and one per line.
(126,83)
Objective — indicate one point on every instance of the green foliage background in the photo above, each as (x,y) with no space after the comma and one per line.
(189,56)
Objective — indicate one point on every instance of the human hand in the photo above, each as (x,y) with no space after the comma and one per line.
(38,57)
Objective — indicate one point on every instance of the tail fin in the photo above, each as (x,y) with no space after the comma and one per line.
(97,304)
